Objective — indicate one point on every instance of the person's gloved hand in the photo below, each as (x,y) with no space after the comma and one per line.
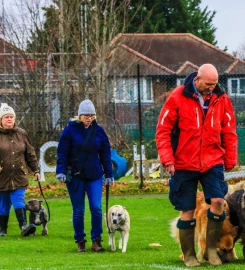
(61,177)
(109,181)
(229,167)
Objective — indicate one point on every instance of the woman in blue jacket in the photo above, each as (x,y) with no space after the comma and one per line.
(84,151)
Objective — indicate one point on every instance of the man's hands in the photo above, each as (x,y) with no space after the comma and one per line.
(170,169)
(229,167)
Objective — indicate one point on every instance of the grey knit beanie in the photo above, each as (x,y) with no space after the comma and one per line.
(6,109)
(86,107)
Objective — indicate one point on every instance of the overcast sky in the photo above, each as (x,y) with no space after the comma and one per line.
(229,21)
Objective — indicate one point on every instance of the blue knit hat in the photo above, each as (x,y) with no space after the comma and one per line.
(86,107)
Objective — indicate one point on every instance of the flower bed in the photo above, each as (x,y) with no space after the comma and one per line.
(119,188)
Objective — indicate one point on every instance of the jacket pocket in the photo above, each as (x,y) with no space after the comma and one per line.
(174,193)
(24,170)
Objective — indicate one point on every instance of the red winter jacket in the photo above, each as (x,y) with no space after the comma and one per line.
(191,141)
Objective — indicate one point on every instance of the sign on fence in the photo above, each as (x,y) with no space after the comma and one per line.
(44,167)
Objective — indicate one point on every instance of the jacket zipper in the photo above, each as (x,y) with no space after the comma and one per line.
(12,184)
(164,116)
(212,119)
(228,115)
(197,116)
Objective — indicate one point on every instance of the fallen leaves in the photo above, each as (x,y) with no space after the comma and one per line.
(155,245)
(119,188)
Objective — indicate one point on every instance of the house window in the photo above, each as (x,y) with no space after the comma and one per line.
(126,90)
(236,86)
(180,81)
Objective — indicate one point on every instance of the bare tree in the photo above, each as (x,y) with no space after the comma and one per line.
(240,53)
(71,43)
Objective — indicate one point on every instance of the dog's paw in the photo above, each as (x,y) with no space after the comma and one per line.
(44,232)
(113,248)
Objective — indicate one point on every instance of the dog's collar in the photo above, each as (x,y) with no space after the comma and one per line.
(38,211)
(122,222)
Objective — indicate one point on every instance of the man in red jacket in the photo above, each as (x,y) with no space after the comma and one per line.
(196,140)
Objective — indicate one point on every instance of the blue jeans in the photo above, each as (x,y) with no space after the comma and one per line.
(9,198)
(77,189)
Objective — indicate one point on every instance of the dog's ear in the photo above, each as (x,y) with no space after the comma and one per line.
(234,231)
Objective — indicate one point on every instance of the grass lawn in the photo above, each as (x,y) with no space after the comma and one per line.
(150,216)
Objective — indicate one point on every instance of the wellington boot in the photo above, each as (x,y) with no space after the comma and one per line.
(188,246)
(214,229)
(26,230)
(3,225)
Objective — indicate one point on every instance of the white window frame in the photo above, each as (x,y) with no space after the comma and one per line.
(238,87)
(180,81)
(132,84)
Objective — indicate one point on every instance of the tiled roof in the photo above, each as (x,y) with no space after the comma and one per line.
(176,53)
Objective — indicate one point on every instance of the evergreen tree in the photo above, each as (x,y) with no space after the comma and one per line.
(146,16)
(174,16)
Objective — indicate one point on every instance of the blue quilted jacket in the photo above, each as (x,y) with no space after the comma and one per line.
(98,160)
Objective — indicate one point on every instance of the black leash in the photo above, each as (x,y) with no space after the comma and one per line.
(107,202)
(40,187)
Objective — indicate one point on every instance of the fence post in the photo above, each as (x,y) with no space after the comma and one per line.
(140,126)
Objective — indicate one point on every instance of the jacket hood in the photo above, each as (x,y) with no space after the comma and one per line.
(189,89)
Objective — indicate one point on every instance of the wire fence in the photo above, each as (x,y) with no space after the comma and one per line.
(128,103)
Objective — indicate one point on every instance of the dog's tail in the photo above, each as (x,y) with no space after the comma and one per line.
(173,229)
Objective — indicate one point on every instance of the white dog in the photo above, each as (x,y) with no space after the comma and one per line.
(118,220)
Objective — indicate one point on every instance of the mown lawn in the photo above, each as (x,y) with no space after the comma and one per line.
(150,216)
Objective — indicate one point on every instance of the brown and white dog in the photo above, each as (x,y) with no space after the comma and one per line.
(118,220)
(38,214)
(225,245)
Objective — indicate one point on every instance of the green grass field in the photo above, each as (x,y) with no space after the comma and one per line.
(150,216)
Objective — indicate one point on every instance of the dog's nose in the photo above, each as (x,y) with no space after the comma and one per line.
(114,221)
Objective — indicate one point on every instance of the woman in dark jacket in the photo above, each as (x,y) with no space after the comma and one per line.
(16,153)
(84,150)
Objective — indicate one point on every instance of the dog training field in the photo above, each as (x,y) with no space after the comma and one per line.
(150,216)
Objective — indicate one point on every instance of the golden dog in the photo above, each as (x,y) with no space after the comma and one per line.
(225,246)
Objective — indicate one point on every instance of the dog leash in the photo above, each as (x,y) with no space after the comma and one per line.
(40,187)
(107,186)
